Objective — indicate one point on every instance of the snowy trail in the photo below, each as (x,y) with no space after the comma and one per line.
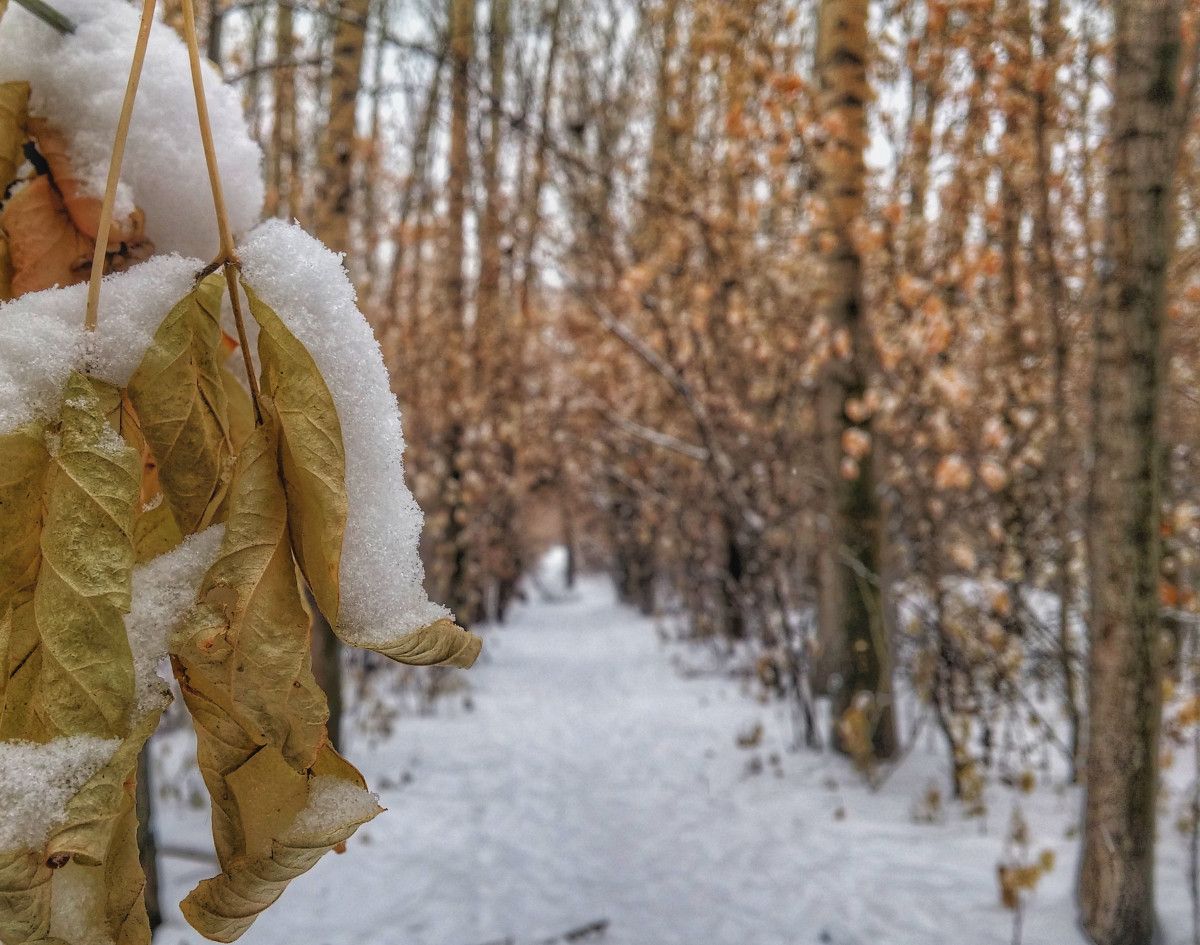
(592,781)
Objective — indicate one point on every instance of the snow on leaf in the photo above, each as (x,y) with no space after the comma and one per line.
(179,398)
(224,907)
(81,205)
(314,461)
(243,660)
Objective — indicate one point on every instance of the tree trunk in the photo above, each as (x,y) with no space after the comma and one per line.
(1116,877)
(462,51)
(855,651)
(147,844)
(336,152)
(284,171)
(335,158)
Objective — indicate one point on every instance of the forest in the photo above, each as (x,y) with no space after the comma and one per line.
(792,534)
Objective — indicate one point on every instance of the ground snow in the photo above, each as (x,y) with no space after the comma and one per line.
(164,590)
(42,338)
(593,781)
(382,578)
(78,84)
(37,781)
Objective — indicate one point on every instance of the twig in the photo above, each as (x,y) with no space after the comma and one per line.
(48,15)
(228,250)
(114,165)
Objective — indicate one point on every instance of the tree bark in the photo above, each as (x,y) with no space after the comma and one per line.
(462,52)
(855,651)
(1116,877)
(336,152)
(147,842)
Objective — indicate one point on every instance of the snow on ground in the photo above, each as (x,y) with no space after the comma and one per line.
(591,780)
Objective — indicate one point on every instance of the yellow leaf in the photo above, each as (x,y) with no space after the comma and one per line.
(223,908)
(181,408)
(442,643)
(24,897)
(85,684)
(24,462)
(95,812)
(314,469)
(314,461)
(243,657)
(14,104)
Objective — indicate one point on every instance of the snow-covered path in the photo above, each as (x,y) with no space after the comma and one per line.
(593,781)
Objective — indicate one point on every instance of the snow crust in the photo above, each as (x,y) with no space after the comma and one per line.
(42,336)
(164,590)
(78,83)
(333,804)
(37,781)
(382,592)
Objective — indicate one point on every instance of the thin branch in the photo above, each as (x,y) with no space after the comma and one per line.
(228,250)
(114,165)
(48,15)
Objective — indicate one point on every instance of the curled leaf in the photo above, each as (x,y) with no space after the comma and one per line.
(181,408)
(14,110)
(313,459)
(223,908)
(442,643)
(314,469)
(81,205)
(85,684)
(243,658)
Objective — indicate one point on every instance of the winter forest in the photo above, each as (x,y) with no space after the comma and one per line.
(634,472)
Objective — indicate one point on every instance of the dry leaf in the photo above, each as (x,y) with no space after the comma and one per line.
(14,102)
(24,897)
(243,658)
(85,685)
(314,469)
(82,206)
(181,408)
(223,908)
(314,461)
(45,248)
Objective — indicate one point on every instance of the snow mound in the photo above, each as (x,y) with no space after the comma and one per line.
(37,781)
(333,805)
(164,590)
(78,83)
(382,592)
(42,337)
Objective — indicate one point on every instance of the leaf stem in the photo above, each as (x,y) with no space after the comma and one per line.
(114,165)
(48,15)
(228,255)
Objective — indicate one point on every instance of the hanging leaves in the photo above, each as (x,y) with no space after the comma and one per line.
(179,399)
(224,907)
(243,660)
(313,459)
(314,469)
(118,478)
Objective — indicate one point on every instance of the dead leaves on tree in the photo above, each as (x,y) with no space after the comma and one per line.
(119,477)
(49,220)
